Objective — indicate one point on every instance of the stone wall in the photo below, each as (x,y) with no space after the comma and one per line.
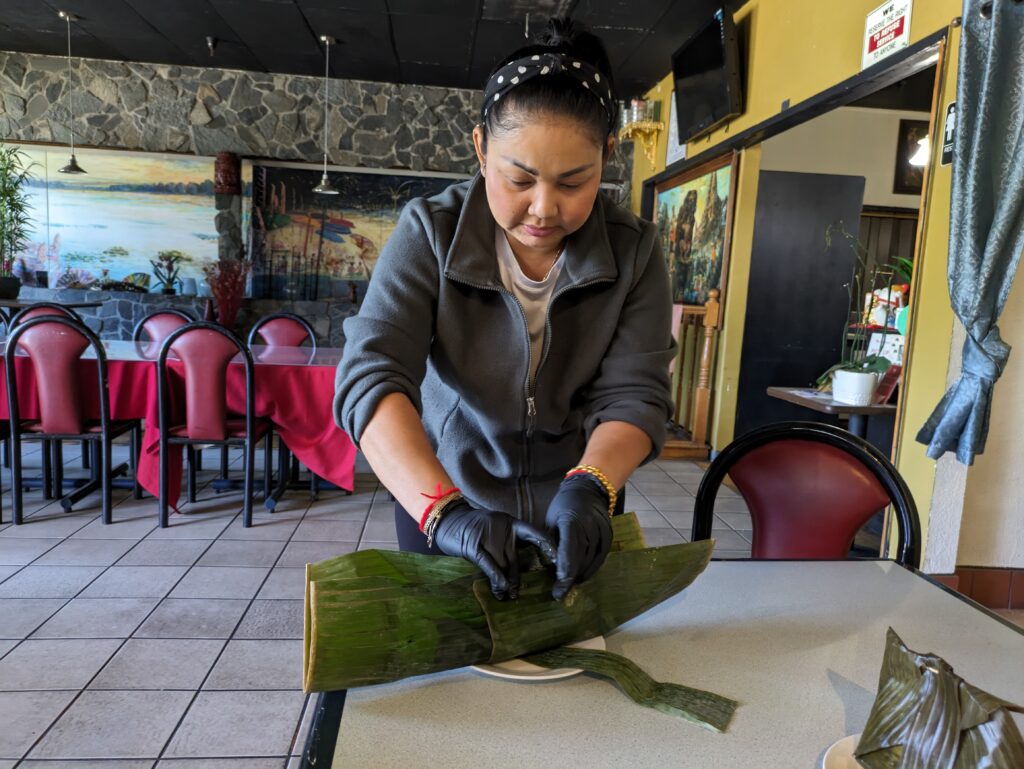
(200,111)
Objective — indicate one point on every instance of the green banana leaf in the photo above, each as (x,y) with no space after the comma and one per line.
(706,709)
(378,616)
(927,717)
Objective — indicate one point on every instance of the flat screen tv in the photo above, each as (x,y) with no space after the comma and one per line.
(706,69)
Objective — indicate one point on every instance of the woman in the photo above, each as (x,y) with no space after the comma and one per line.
(510,360)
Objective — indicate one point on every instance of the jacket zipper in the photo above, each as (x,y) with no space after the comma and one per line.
(529,387)
(525,499)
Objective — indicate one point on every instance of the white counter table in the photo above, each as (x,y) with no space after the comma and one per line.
(799,644)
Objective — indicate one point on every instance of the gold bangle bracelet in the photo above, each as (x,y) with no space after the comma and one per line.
(595,472)
(436,511)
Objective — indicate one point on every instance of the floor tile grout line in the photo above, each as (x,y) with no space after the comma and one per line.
(231,635)
(71,598)
(125,640)
(120,646)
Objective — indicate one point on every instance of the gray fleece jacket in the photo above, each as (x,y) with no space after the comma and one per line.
(438,325)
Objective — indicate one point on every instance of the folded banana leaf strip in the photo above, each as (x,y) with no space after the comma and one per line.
(927,717)
(706,709)
(378,616)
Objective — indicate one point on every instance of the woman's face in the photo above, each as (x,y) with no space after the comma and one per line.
(542,179)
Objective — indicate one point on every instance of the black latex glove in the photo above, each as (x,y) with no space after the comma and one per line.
(488,539)
(578,516)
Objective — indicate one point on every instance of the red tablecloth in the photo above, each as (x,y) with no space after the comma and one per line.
(296,398)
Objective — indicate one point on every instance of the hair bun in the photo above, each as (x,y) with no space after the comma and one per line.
(560,31)
(564,35)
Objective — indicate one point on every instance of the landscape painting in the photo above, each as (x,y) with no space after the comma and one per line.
(306,245)
(693,213)
(109,223)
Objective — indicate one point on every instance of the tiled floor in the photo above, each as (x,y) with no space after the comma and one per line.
(132,647)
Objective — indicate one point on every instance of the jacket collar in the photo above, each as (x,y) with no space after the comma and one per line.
(471,258)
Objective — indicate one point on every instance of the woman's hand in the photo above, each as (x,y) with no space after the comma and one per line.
(578,515)
(488,539)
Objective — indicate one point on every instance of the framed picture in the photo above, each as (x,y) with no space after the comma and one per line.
(310,246)
(909,178)
(110,224)
(693,213)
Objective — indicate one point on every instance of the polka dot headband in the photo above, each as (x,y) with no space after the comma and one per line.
(519,71)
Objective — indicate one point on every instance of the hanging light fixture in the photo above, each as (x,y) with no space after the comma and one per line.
(72,167)
(325,187)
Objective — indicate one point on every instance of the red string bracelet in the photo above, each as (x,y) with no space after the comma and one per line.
(434,498)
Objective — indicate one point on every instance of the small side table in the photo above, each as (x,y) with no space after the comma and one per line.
(822,402)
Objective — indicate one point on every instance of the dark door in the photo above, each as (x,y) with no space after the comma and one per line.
(797,300)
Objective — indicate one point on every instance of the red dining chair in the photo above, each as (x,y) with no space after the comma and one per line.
(54,345)
(157,326)
(809,488)
(53,451)
(39,309)
(285,329)
(206,350)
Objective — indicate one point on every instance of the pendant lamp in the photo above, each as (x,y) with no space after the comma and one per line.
(72,167)
(325,187)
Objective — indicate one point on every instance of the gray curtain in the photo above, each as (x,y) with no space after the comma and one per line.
(986,216)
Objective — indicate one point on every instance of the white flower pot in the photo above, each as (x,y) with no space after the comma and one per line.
(855,388)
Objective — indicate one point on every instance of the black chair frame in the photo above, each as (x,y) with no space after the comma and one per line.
(100,443)
(138,331)
(288,464)
(248,442)
(51,454)
(255,330)
(59,310)
(908,546)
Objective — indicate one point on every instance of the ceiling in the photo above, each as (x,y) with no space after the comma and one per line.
(427,42)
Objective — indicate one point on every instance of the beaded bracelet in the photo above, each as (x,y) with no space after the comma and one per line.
(433,512)
(600,477)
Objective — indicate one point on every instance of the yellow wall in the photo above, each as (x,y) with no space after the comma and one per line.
(794,50)
(927,355)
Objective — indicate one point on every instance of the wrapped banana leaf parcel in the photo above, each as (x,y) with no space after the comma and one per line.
(377,616)
(927,717)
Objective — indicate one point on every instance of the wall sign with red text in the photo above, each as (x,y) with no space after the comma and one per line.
(886,30)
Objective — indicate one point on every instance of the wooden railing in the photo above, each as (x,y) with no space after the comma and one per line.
(691,377)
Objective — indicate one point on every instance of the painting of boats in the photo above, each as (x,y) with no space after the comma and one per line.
(310,246)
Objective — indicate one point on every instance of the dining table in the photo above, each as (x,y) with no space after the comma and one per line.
(294,389)
(798,644)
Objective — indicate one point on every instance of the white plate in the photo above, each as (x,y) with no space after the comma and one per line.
(840,755)
(517,670)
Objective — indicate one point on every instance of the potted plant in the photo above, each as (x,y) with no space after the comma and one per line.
(854,378)
(15,221)
(166,270)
